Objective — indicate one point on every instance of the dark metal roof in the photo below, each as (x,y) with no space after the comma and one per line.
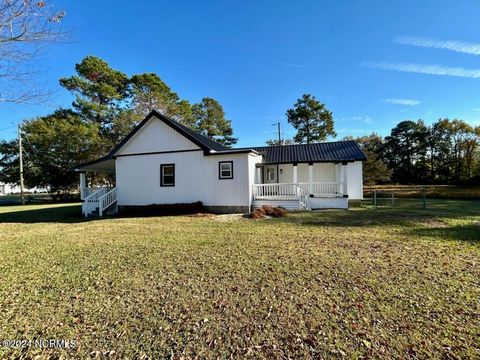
(318,152)
(303,153)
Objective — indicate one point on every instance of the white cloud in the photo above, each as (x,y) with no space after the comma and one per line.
(365,119)
(451,45)
(408,102)
(425,69)
(476,109)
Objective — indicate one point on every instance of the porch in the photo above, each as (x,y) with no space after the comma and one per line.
(99,197)
(301,186)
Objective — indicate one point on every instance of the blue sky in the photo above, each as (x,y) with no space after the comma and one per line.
(372,62)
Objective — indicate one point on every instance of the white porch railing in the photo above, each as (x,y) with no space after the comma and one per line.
(285,192)
(277,191)
(323,189)
(90,190)
(107,200)
(90,203)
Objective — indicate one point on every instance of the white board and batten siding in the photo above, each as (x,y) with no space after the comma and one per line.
(196,175)
(355,180)
(156,136)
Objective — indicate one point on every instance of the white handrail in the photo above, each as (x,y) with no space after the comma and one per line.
(107,200)
(90,203)
(304,199)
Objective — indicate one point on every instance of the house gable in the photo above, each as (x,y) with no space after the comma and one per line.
(155,136)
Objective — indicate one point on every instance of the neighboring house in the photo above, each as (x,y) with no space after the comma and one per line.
(9,189)
(163,162)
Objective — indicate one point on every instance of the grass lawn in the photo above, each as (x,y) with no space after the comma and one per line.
(348,284)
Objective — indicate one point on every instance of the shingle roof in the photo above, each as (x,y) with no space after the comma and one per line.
(317,152)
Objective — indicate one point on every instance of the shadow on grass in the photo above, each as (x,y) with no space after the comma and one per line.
(72,213)
(35,214)
(469,233)
(428,223)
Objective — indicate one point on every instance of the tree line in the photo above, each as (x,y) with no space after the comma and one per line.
(446,152)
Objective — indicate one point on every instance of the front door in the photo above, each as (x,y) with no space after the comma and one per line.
(270,174)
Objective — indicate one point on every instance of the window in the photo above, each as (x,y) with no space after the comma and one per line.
(167,175)
(225,170)
(270,174)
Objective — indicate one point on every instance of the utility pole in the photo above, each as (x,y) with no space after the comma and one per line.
(279,133)
(20,156)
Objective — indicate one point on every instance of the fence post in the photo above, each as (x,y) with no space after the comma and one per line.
(424,197)
(375,198)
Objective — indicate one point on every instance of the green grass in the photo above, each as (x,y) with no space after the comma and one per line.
(333,284)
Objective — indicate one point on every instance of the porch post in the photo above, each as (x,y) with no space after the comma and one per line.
(294,173)
(310,173)
(344,178)
(83,185)
(258,175)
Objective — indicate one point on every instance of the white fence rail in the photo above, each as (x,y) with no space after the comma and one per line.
(323,189)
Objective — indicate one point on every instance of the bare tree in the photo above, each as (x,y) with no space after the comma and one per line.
(26,27)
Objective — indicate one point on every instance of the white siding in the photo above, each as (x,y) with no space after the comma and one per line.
(355,180)
(156,136)
(196,179)
(253,160)
(322,172)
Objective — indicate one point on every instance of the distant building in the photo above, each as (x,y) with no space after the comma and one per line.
(10,189)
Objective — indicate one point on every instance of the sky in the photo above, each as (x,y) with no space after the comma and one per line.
(373,63)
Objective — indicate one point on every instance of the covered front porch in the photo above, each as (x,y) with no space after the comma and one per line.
(100,196)
(303,186)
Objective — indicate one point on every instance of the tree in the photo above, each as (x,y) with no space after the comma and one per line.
(100,90)
(461,133)
(439,145)
(375,169)
(405,150)
(210,119)
(149,92)
(274,142)
(54,145)
(26,26)
(101,96)
(311,119)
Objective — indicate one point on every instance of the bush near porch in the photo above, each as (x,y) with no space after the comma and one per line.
(331,284)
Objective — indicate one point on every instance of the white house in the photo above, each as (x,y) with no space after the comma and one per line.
(10,189)
(163,162)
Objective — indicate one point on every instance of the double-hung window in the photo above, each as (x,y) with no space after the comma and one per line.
(225,170)
(167,175)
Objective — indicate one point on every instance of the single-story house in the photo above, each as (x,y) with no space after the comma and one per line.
(163,162)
